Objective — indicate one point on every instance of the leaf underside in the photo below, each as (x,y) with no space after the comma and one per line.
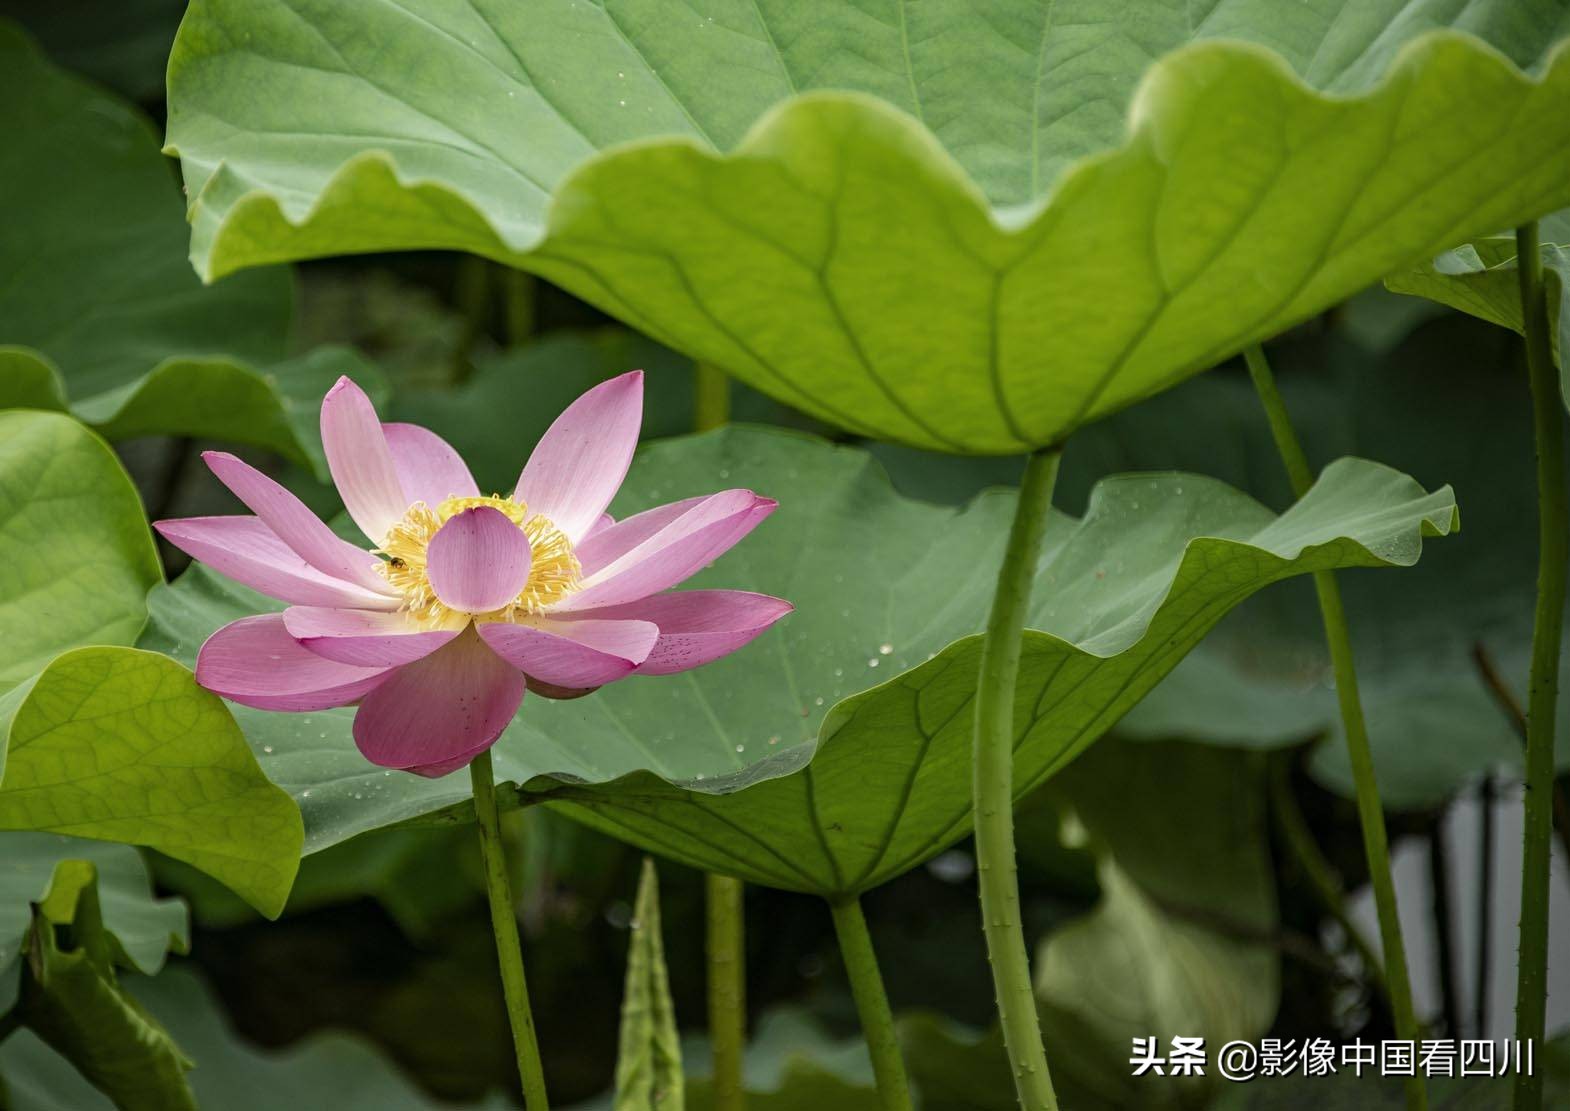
(960,234)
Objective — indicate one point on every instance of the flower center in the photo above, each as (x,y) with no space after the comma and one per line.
(553,572)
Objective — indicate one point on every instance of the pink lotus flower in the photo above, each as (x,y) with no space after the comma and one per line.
(467,600)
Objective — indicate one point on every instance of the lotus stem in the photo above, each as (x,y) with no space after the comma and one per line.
(504,924)
(872,1004)
(727,960)
(1511,706)
(993,787)
(1371,814)
(519,289)
(1553,556)
(727,989)
(711,401)
(472,297)
(1485,907)
(1444,925)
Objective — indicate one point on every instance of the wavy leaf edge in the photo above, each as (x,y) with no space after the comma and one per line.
(1017,221)
(268,897)
(1441,520)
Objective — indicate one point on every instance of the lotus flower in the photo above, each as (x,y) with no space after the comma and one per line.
(467,600)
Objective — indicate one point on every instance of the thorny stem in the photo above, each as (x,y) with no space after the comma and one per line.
(727,965)
(1553,556)
(1370,814)
(504,924)
(1511,705)
(993,787)
(872,1004)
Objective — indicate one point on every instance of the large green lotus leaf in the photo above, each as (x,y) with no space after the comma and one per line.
(118,744)
(76,555)
(99,309)
(884,587)
(968,233)
(144,928)
(324,1070)
(1481,278)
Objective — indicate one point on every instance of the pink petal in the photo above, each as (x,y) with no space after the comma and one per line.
(249,552)
(478,561)
(697,626)
(579,463)
(429,469)
(677,551)
(255,662)
(605,522)
(296,525)
(605,545)
(572,654)
(361,463)
(436,714)
(364,638)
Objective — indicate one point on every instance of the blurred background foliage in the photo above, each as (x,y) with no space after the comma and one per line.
(1177,877)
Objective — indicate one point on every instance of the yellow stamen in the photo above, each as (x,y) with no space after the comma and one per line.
(553,572)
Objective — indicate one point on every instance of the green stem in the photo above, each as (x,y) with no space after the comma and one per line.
(504,923)
(712,400)
(1444,931)
(1553,556)
(872,1004)
(519,287)
(726,905)
(1485,907)
(1321,874)
(727,989)
(993,787)
(1370,814)
(472,297)
(1511,706)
